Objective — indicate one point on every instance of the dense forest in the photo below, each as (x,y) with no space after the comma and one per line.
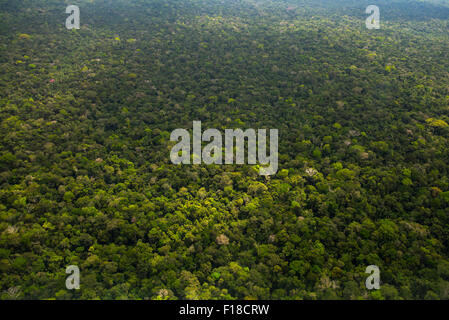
(85,171)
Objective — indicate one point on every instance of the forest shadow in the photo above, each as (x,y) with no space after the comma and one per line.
(390,10)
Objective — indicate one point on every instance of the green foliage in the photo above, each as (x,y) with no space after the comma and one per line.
(86,178)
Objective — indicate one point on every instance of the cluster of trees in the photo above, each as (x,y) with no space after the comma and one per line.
(85,171)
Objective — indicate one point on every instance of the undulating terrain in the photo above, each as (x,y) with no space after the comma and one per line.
(85,171)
